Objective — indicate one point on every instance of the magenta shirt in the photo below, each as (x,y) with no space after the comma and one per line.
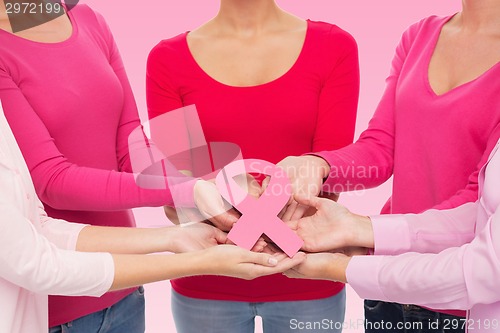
(71,109)
(433,145)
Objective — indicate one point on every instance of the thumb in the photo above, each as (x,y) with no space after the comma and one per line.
(292,224)
(220,236)
(313,201)
(262,259)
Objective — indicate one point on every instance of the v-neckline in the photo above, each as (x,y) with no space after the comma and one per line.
(430,55)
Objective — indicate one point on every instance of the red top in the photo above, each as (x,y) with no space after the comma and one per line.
(312,107)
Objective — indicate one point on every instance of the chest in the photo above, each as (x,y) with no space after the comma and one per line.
(248,61)
(468,106)
(459,58)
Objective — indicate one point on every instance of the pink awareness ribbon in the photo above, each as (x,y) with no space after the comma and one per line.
(259,216)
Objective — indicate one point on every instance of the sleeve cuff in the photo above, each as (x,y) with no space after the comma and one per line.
(183,193)
(391,235)
(109,269)
(61,233)
(362,275)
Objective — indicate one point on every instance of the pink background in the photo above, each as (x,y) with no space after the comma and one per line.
(376,25)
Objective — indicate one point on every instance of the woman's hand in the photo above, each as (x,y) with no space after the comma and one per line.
(332,227)
(306,174)
(183,215)
(321,266)
(233,261)
(213,207)
(194,237)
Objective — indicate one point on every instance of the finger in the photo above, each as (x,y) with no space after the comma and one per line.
(282,212)
(255,191)
(289,211)
(280,256)
(286,264)
(259,246)
(224,221)
(220,236)
(309,201)
(292,224)
(270,249)
(262,259)
(299,212)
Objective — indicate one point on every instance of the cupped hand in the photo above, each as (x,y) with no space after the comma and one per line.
(213,207)
(233,261)
(196,236)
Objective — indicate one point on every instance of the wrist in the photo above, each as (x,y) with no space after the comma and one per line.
(205,263)
(362,231)
(338,268)
(319,164)
(170,238)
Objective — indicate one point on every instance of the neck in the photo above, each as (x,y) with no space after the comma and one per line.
(248,16)
(481,15)
(3,11)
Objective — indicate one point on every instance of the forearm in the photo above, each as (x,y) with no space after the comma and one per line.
(126,240)
(134,270)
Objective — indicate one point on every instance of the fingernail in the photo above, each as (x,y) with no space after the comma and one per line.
(273,261)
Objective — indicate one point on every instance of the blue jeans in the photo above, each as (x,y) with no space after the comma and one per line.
(126,316)
(383,317)
(198,315)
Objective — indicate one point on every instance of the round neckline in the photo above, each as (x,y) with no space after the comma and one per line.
(279,78)
(74,33)
(430,54)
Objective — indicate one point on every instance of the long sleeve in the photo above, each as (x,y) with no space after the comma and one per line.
(338,100)
(28,259)
(430,232)
(457,278)
(59,182)
(375,147)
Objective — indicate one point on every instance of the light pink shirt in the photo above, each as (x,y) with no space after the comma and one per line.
(34,256)
(440,259)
